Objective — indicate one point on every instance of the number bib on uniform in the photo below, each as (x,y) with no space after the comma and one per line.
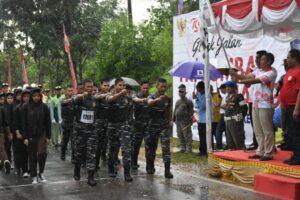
(87,117)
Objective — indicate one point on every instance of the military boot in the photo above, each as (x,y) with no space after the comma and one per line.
(168,173)
(150,166)
(111,171)
(134,165)
(63,154)
(127,175)
(91,180)
(77,172)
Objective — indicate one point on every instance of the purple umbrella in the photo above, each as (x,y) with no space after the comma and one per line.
(194,70)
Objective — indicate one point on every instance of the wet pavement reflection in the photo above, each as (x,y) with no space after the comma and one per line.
(61,185)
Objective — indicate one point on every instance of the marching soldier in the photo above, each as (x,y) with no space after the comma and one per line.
(85,137)
(160,116)
(141,115)
(101,120)
(67,114)
(118,128)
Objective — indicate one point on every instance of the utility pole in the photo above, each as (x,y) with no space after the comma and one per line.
(129,12)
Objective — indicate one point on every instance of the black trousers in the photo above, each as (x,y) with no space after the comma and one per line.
(202,138)
(67,131)
(294,128)
(254,141)
(8,145)
(37,155)
(20,152)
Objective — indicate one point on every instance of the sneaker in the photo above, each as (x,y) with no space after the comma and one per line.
(25,175)
(42,178)
(7,166)
(35,180)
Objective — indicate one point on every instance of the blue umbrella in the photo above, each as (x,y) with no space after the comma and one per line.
(194,70)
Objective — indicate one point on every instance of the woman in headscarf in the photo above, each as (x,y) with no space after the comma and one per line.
(8,112)
(37,133)
(19,148)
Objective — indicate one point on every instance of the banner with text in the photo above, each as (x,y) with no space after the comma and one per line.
(241,51)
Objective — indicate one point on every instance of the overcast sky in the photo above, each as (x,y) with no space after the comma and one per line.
(139,8)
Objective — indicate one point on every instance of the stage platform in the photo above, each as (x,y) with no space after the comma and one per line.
(236,167)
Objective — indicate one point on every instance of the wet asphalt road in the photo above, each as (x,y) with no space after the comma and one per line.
(61,186)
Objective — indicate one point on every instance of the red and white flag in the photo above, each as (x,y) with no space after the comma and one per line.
(24,72)
(9,81)
(71,67)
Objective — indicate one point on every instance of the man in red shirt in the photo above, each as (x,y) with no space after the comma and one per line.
(290,100)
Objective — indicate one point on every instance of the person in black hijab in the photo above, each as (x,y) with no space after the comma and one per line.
(19,148)
(8,112)
(37,133)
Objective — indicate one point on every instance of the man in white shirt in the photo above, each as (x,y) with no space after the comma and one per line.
(263,81)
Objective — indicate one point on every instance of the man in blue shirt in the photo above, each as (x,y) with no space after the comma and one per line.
(200,104)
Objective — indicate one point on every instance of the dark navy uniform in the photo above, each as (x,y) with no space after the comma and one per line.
(101,126)
(141,115)
(158,129)
(119,132)
(85,137)
(67,114)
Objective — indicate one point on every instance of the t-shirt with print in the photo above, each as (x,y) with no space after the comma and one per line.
(262,96)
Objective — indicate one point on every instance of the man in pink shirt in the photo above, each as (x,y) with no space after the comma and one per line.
(263,81)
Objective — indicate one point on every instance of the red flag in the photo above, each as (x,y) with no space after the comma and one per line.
(24,73)
(9,74)
(71,67)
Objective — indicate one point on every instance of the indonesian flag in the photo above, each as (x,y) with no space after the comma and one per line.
(71,67)
(24,72)
(9,74)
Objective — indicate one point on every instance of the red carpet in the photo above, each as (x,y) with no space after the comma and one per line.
(277,179)
(243,156)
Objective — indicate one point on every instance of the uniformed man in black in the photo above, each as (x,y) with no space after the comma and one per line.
(85,136)
(160,118)
(141,115)
(118,128)
(102,107)
(67,114)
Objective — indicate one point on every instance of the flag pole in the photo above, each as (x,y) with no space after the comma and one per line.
(204,35)
(212,17)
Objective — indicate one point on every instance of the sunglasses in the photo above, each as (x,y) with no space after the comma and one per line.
(181,91)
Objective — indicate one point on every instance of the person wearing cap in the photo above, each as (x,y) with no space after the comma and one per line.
(221,124)
(182,116)
(4,133)
(8,112)
(36,125)
(5,88)
(263,81)
(235,112)
(20,150)
(56,120)
(2,100)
